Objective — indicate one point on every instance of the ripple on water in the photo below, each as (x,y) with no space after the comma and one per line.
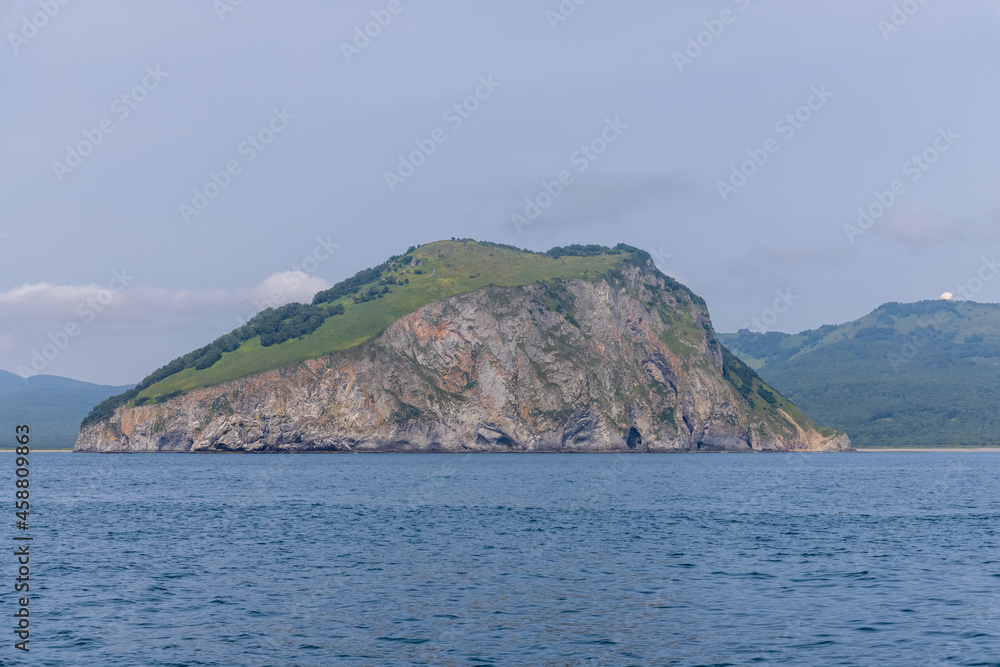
(517,559)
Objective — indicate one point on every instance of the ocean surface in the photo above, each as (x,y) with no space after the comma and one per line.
(395,559)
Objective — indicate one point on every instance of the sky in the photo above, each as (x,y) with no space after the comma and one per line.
(170,168)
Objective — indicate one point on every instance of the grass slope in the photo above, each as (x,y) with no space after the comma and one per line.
(905,375)
(765,401)
(442,269)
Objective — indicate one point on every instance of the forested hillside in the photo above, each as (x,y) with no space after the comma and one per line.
(922,374)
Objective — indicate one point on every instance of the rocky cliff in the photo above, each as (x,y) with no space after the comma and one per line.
(615,362)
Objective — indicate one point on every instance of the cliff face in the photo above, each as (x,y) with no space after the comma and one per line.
(620,363)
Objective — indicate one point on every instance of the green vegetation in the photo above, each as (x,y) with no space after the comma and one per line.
(272,326)
(668,417)
(362,278)
(682,350)
(557,299)
(763,399)
(684,335)
(363,305)
(906,375)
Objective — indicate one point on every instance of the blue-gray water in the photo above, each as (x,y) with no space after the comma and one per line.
(511,559)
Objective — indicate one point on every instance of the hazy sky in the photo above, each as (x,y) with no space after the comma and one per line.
(167,166)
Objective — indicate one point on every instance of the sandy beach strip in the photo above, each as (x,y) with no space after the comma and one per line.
(927,449)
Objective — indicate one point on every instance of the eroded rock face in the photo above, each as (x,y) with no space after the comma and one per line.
(576,366)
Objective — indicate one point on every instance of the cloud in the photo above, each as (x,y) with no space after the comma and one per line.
(46,294)
(286,286)
(66,302)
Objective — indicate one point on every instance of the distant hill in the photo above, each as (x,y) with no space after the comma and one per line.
(52,406)
(918,374)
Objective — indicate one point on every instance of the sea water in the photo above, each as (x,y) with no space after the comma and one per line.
(394,559)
